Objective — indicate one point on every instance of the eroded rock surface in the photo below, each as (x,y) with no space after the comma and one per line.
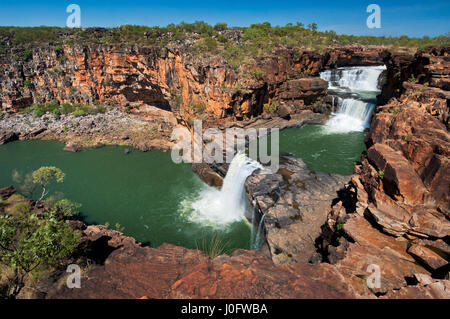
(112,127)
(396,214)
(132,271)
(294,202)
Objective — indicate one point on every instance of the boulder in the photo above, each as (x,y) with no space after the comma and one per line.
(72,147)
(284,112)
(379,128)
(427,257)
(250,275)
(6,137)
(400,180)
(295,202)
(398,219)
(436,290)
(207,174)
(368,246)
(429,222)
(306,89)
(6,192)
(354,55)
(436,176)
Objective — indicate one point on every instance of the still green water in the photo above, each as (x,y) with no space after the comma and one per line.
(146,192)
(324,151)
(142,192)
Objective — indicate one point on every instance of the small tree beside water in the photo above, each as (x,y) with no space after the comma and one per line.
(32,239)
(43,176)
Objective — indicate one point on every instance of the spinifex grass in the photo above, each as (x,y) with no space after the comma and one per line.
(213,246)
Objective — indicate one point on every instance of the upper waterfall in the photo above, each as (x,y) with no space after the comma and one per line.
(354,112)
(227,205)
(359,78)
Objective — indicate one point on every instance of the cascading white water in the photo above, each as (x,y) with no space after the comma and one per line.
(227,205)
(358,78)
(353,114)
(255,242)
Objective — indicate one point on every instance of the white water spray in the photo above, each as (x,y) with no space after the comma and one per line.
(352,114)
(227,205)
(359,78)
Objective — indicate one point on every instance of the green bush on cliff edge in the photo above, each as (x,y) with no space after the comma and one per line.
(255,40)
(34,240)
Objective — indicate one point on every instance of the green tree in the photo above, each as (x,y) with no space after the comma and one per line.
(30,241)
(221,26)
(312,26)
(27,55)
(43,176)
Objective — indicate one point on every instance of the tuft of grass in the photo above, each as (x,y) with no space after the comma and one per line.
(412,79)
(67,108)
(119,228)
(15,198)
(272,107)
(339,233)
(20,209)
(213,247)
(18,205)
(199,108)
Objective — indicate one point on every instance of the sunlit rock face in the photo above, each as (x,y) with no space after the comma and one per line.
(157,79)
(395,211)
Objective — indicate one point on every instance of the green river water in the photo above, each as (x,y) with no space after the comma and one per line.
(144,192)
(324,151)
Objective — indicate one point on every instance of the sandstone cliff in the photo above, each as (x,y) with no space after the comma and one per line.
(395,212)
(170,78)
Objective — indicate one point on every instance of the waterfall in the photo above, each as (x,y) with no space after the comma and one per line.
(358,78)
(355,111)
(256,237)
(353,115)
(227,205)
(332,104)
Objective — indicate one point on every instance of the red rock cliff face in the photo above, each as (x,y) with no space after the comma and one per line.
(396,215)
(171,79)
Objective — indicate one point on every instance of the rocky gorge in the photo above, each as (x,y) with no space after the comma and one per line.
(323,230)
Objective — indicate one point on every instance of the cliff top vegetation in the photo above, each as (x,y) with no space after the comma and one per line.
(233,43)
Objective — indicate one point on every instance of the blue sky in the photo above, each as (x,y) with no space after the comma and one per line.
(413,18)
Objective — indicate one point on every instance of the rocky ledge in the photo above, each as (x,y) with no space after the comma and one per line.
(116,266)
(122,268)
(112,127)
(293,204)
(132,271)
(395,212)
